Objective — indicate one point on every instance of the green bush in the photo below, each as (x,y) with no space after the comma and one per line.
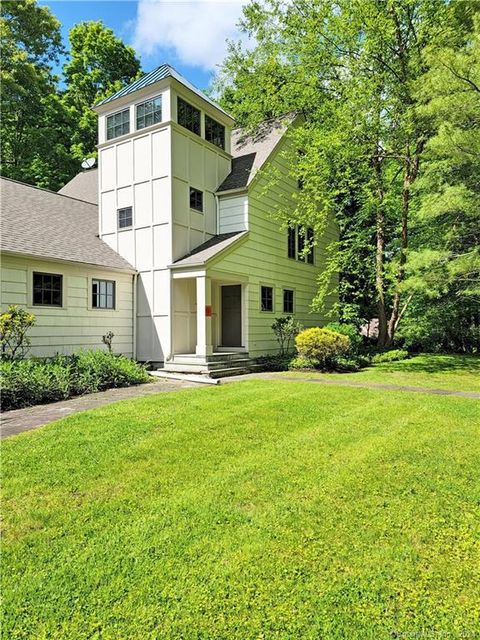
(390,356)
(321,346)
(34,381)
(352,332)
(301,362)
(276,362)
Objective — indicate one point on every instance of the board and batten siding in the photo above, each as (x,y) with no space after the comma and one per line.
(75,325)
(263,258)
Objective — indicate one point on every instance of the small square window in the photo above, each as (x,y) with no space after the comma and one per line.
(149,112)
(103,294)
(125,217)
(266,298)
(214,132)
(118,124)
(48,289)
(196,199)
(287,301)
(188,116)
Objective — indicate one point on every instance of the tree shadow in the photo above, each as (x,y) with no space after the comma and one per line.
(427,363)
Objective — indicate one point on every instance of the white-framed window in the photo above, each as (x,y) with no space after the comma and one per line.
(47,289)
(188,116)
(266,298)
(125,217)
(118,124)
(214,132)
(148,112)
(288,301)
(196,199)
(103,294)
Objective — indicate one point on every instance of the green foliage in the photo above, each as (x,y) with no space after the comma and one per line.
(34,381)
(285,329)
(276,362)
(99,65)
(275,509)
(14,325)
(390,356)
(321,346)
(302,363)
(352,332)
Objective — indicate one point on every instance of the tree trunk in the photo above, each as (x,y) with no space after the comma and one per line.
(380,257)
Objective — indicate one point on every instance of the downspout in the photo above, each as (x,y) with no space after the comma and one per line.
(134,338)
(217,212)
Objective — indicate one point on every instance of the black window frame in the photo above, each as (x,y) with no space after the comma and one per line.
(266,298)
(196,199)
(292,243)
(305,234)
(46,291)
(214,132)
(120,214)
(98,295)
(118,128)
(288,301)
(188,116)
(152,109)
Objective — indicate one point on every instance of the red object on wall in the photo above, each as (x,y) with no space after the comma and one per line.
(208,310)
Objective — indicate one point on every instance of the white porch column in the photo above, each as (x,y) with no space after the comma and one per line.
(204,318)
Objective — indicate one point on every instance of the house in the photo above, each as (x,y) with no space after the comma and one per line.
(170,243)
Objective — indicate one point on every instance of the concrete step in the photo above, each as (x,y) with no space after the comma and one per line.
(231,371)
(191,358)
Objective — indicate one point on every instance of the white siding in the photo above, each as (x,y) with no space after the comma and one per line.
(75,325)
(233,214)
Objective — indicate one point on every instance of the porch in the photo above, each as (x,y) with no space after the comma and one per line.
(209,324)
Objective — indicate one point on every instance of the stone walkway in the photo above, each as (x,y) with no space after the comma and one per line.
(19,420)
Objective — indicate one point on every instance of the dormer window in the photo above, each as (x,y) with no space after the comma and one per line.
(149,112)
(214,132)
(188,116)
(118,124)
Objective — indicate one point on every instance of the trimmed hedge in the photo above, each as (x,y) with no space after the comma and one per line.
(390,356)
(35,381)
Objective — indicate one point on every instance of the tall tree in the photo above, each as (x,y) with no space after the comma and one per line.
(34,125)
(99,64)
(350,67)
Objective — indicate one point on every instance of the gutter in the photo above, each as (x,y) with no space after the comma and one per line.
(134,325)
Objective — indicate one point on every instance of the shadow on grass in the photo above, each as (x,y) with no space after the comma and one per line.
(433,363)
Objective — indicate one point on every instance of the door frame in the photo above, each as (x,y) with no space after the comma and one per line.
(243,348)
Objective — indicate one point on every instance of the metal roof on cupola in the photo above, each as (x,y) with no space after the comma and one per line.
(160,73)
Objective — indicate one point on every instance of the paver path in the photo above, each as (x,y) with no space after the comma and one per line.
(351,383)
(19,420)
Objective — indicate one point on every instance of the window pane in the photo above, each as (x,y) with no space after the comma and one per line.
(125,217)
(149,112)
(188,116)
(214,132)
(47,289)
(291,242)
(118,124)
(196,199)
(301,244)
(287,301)
(310,255)
(267,298)
(103,294)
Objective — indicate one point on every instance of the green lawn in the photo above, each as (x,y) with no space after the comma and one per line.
(458,373)
(251,510)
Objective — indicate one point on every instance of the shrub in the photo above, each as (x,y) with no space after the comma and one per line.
(321,346)
(390,356)
(301,362)
(275,362)
(285,330)
(34,381)
(352,332)
(14,324)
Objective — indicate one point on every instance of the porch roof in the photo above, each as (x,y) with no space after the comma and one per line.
(208,250)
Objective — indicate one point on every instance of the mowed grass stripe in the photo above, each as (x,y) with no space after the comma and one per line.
(282,509)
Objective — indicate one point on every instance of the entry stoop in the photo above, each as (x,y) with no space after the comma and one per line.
(217,365)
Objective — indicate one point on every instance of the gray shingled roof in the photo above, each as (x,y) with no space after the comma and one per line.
(250,151)
(42,223)
(209,249)
(161,72)
(84,186)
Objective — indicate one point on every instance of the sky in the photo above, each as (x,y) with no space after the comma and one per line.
(188,34)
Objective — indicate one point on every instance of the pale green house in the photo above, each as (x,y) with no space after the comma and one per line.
(181,200)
